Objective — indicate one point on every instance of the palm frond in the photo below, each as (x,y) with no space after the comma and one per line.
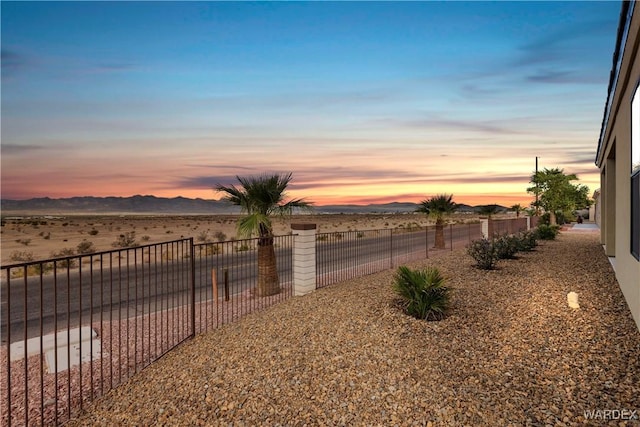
(251,224)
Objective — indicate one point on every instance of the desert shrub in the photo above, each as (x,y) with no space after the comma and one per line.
(505,247)
(93,232)
(63,253)
(85,247)
(25,242)
(242,248)
(220,236)
(360,235)
(203,236)
(145,238)
(322,237)
(527,241)
(423,292)
(21,256)
(484,253)
(547,232)
(212,249)
(125,240)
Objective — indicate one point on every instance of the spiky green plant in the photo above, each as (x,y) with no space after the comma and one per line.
(423,292)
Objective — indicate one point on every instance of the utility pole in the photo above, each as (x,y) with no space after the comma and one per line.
(536,175)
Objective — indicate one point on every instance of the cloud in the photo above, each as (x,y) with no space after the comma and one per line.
(548,76)
(12,62)
(456,124)
(9,149)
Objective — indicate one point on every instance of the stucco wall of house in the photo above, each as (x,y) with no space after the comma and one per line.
(616,178)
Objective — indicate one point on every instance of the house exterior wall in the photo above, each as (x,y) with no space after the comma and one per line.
(614,160)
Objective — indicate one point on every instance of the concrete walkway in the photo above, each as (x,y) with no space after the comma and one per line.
(585,226)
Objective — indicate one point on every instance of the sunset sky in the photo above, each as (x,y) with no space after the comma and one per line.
(363,102)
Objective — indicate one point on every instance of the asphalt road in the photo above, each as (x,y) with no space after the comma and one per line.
(73,296)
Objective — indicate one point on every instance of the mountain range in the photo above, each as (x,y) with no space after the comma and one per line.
(179,205)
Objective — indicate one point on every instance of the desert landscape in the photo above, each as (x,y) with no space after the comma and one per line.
(27,237)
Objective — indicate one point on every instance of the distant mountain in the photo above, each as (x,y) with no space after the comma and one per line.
(179,205)
(134,204)
(394,207)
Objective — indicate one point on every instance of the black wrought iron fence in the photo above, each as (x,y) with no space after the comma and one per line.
(226,280)
(75,327)
(345,255)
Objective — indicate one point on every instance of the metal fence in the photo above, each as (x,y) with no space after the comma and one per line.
(73,328)
(226,279)
(345,255)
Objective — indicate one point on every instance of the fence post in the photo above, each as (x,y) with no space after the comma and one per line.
(451,236)
(485,228)
(304,258)
(193,288)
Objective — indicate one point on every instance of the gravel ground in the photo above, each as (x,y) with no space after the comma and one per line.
(511,352)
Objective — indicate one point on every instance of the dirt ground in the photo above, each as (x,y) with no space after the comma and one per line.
(25,238)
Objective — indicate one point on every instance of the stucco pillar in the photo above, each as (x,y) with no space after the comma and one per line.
(304,258)
(485,228)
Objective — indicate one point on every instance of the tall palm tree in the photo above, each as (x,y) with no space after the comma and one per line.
(517,208)
(438,207)
(260,197)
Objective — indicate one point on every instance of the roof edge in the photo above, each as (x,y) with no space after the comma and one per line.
(626,13)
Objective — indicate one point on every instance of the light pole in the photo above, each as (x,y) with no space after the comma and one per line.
(536,177)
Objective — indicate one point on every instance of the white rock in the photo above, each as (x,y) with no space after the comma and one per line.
(572,300)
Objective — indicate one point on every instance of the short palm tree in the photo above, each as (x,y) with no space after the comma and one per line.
(261,197)
(517,208)
(438,207)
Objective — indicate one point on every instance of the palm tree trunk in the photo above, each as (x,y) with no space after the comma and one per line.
(268,281)
(439,235)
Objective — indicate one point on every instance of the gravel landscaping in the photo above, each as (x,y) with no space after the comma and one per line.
(511,352)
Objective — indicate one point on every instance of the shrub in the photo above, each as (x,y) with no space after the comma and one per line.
(423,292)
(220,236)
(505,247)
(125,240)
(21,256)
(93,232)
(65,252)
(484,253)
(85,247)
(527,241)
(547,232)
(203,237)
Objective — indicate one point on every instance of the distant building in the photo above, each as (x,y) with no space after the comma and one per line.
(618,158)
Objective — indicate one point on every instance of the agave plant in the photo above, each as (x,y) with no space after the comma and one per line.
(423,292)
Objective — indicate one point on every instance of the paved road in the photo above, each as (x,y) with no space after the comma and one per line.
(123,289)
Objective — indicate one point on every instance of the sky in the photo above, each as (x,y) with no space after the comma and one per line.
(363,102)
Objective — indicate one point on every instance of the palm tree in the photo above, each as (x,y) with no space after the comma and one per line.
(261,197)
(517,208)
(488,210)
(438,207)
